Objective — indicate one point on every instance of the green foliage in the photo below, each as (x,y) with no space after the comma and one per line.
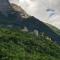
(18,45)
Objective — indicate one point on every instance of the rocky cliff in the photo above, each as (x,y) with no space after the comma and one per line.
(4,6)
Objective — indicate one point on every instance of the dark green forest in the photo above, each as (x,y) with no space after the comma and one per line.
(18,45)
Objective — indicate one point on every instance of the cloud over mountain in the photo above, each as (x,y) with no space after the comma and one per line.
(38,9)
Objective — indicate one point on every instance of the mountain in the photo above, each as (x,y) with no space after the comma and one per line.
(24,37)
(4,6)
(18,18)
(19,9)
(54,28)
(33,23)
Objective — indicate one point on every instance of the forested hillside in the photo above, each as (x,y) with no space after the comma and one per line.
(18,45)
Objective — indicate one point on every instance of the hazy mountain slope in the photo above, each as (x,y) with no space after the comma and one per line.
(17,45)
(17,17)
(54,28)
(33,23)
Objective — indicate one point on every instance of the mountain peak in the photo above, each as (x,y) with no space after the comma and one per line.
(6,7)
(19,9)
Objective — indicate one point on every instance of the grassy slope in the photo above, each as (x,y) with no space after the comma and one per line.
(17,45)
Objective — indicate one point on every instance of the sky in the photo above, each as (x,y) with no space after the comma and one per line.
(45,10)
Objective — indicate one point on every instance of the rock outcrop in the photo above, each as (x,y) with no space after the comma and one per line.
(4,6)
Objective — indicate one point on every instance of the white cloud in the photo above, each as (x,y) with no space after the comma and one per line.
(14,1)
(38,9)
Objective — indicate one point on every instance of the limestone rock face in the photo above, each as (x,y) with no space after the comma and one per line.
(4,6)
